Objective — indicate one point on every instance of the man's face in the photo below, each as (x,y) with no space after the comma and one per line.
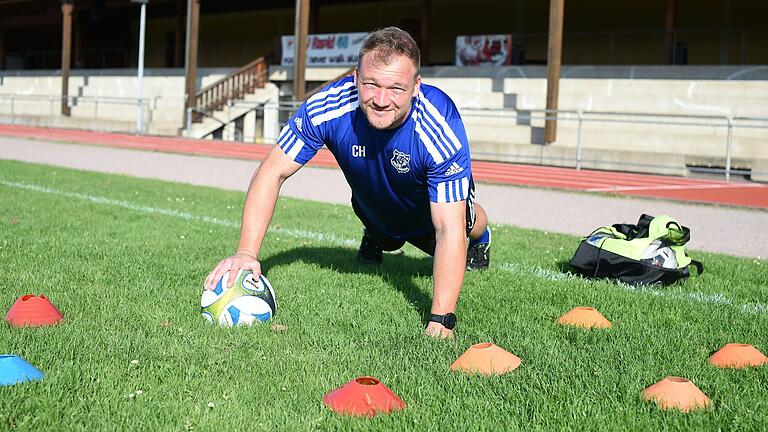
(386,90)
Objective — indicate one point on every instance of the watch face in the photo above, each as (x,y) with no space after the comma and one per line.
(449,321)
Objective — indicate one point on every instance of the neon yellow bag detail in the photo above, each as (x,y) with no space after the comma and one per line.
(650,252)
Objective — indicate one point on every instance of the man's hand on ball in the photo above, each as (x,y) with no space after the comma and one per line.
(437,330)
(240,260)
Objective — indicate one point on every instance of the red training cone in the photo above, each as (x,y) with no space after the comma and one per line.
(33,311)
(676,392)
(364,396)
(585,317)
(738,356)
(486,359)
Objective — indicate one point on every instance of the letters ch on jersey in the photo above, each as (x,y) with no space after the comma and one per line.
(358,151)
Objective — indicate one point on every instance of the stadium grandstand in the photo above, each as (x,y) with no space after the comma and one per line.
(676,87)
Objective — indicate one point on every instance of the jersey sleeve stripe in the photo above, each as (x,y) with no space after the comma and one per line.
(297,146)
(327,106)
(340,111)
(287,145)
(457,189)
(318,105)
(285,134)
(441,122)
(440,131)
(444,151)
(319,97)
(453,190)
(431,149)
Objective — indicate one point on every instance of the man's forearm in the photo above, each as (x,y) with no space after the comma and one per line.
(257,212)
(448,270)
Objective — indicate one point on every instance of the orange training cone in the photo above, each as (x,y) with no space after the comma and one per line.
(738,356)
(487,359)
(676,392)
(33,311)
(364,396)
(585,317)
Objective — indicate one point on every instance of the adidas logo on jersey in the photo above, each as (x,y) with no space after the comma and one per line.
(454,169)
(298,123)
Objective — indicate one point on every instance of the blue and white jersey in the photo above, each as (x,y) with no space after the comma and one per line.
(394,174)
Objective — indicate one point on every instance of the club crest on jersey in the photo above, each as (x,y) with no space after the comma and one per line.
(400,161)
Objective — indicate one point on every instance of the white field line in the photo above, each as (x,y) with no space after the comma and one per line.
(713,299)
(302,234)
(673,187)
(671,293)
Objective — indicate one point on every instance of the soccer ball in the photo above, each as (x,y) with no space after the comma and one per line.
(660,255)
(249,301)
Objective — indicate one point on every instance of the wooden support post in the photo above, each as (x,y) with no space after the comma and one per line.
(193,19)
(300,49)
(669,33)
(66,54)
(554,54)
(426,9)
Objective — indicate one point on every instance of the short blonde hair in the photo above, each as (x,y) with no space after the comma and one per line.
(388,42)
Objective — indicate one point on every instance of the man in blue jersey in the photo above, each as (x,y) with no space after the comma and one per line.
(403,150)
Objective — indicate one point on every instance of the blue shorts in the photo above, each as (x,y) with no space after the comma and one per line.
(426,242)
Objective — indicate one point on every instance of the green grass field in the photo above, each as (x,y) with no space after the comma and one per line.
(124,260)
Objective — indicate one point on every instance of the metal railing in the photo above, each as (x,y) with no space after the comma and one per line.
(586,122)
(10,104)
(242,108)
(591,121)
(728,124)
(233,86)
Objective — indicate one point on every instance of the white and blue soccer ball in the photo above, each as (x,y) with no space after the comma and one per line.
(660,255)
(249,301)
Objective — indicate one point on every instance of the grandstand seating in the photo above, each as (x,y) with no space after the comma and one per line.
(503,123)
(503,116)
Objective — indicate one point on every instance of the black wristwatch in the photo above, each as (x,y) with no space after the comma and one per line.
(448,320)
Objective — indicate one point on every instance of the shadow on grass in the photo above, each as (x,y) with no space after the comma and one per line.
(397,270)
(565,267)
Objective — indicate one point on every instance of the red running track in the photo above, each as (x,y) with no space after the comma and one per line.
(667,187)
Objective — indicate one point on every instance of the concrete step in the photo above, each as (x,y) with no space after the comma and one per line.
(701,140)
(208,125)
(621,160)
(479,100)
(489,133)
(707,141)
(461,85)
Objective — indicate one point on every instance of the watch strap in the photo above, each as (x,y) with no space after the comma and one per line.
(448,320)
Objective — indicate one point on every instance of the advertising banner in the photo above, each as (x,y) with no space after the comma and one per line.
(333,49)
(484,50)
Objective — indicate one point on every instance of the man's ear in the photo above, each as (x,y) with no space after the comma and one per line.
(357,75)
(417,86)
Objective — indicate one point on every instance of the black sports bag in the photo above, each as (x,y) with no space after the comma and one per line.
(651,252)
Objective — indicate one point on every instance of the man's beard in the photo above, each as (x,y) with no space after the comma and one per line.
(390,119)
